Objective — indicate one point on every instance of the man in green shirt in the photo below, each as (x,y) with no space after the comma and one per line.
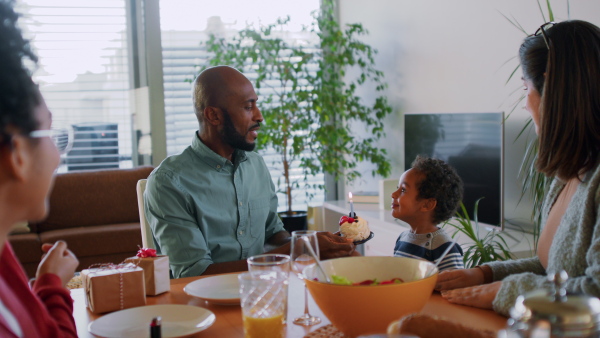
(214,205)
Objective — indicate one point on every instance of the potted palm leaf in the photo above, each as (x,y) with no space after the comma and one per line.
(535,184)
(491,247)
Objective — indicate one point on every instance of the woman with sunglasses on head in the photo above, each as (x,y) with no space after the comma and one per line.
(28,159)
(561,74)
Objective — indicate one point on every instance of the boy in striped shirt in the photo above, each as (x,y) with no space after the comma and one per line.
(428,194)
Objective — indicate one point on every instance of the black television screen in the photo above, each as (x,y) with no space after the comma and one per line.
(472,144)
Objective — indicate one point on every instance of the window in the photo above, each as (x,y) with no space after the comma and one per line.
(83,74)
(183,55)
(85,77)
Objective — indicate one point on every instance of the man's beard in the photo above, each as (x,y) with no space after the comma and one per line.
(232,137)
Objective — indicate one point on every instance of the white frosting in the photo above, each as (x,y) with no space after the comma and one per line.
(357,231)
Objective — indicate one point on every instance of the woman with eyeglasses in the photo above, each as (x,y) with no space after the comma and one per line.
(561,75)
(28,159)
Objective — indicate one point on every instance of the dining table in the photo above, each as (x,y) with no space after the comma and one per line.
(228,321)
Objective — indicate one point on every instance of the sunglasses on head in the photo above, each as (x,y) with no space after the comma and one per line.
(542,30)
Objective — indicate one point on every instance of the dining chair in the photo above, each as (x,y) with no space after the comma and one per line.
(147,238)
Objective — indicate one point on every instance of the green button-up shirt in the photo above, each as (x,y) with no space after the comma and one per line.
(204,209)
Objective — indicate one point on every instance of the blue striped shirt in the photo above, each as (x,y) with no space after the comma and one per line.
(430,247)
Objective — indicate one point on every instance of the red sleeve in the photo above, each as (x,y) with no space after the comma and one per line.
(58,301)
(46,311)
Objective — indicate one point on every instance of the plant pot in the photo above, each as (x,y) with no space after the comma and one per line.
(294,221)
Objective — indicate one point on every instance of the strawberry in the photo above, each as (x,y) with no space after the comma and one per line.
(347,219)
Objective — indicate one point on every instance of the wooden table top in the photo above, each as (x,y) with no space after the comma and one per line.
(229,317)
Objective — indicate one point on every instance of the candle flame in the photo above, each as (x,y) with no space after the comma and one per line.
(350,196)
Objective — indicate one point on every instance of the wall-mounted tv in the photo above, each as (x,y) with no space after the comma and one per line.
(472,143)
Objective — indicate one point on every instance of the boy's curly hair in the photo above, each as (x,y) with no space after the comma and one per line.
(18,93)
(442,183)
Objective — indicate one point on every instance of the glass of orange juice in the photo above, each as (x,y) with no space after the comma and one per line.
(263,297)
(271,262)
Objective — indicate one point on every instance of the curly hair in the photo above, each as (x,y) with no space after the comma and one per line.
(19,95)
(440,182)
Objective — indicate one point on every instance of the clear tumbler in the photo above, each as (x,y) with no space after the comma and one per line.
(263,297)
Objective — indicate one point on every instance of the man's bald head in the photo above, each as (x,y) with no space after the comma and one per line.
(213,86)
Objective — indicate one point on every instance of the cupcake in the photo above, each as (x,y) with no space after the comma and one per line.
(355,228)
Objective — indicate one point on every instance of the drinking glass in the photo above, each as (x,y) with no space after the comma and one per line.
(271,262)
(263,296)
(301,258)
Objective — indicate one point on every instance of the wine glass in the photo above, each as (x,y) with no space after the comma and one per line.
(301,258)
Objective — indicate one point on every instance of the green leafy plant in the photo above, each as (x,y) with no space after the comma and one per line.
(309,97)
(491,247)
(535,184)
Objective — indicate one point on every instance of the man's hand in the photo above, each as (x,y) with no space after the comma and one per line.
(279,240)
(459,278)
(481,296)
(330,245)
(334,246)
(58,260)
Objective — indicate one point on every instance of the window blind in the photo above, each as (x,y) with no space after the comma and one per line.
(83,75)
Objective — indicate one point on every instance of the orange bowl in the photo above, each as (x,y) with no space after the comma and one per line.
(359,310)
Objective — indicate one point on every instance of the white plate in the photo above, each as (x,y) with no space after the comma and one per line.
(177,321)
(222,289)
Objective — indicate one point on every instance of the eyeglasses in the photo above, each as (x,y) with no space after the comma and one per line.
(62,137)
(542,30)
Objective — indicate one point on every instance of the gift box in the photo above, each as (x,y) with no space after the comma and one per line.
(156,273)
(111,287)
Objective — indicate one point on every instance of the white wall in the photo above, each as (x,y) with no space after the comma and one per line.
(449,56)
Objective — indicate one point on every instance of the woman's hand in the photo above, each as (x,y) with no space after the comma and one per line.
(333,246)
(459,278)
(481,296)
(58,260)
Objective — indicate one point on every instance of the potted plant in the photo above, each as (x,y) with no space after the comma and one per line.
(489,248)
(535,183)
(493,246)
(309,101)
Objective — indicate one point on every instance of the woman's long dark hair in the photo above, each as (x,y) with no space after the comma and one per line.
(18,94)
(567,75)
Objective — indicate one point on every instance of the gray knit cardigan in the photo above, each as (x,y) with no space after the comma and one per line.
(575,248)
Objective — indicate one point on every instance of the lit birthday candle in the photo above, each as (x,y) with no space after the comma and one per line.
(352,214)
